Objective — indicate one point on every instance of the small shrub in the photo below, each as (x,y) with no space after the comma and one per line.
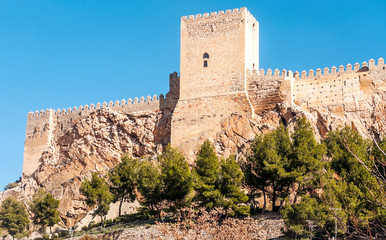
(109,223)
(46,237)
(10,186)
(142,215)
(87,237)
(63,234)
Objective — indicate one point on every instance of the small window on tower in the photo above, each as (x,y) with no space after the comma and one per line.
(205,57)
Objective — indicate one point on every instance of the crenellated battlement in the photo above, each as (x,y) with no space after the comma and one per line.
(335,87)
(230,12)
(334,71)
(204,15)
(117,105)
(274,73)
(129,105)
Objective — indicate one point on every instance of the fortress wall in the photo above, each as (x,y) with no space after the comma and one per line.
(174,86)
(196,120)
(339,89)
(64,119)
(267,89)
(38,138)
(46,126)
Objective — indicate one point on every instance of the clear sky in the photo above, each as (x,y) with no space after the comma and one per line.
(60,54)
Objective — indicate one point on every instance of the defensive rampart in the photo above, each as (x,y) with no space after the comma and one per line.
(340,90)
(47,126)
(267,89)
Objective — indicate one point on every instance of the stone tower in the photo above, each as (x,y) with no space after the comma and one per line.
(217,51)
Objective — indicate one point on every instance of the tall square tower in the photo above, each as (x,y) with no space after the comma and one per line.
(216,51)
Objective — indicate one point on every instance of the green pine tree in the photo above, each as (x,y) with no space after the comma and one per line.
(347,183)
(346,147)
(45,209)
(150,184)
(124,179)
(363,196)
(379,156)
(269,165)
(231,179)
(97,194)
(207,169)
(176,176)
(307,157)
(14,217)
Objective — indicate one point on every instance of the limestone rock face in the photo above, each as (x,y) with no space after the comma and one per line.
(94,143)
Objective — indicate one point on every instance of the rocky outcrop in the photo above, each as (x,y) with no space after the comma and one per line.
(94,143)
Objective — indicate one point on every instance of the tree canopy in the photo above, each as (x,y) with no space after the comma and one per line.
(97,194)
(348,190)
(123,180)
(14,217)
(231,179)
(45,209)
(218,184)
(207,169)
(270,164)
(176,176)
(150,184)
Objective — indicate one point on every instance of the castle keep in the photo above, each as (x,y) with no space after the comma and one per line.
(220,78)
(217,51)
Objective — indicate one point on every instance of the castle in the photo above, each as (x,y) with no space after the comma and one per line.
(219,77)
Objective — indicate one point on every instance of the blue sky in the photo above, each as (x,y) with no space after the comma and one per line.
(60,54)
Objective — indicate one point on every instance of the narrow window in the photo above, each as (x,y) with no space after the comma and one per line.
(205,57)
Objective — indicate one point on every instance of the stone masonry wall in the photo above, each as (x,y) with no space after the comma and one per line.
(199,119)
(38,138)
(341,90)
(265,90)
(223,36)
(217,50)
(46,126)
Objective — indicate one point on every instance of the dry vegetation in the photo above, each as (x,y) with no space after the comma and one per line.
(200,224)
